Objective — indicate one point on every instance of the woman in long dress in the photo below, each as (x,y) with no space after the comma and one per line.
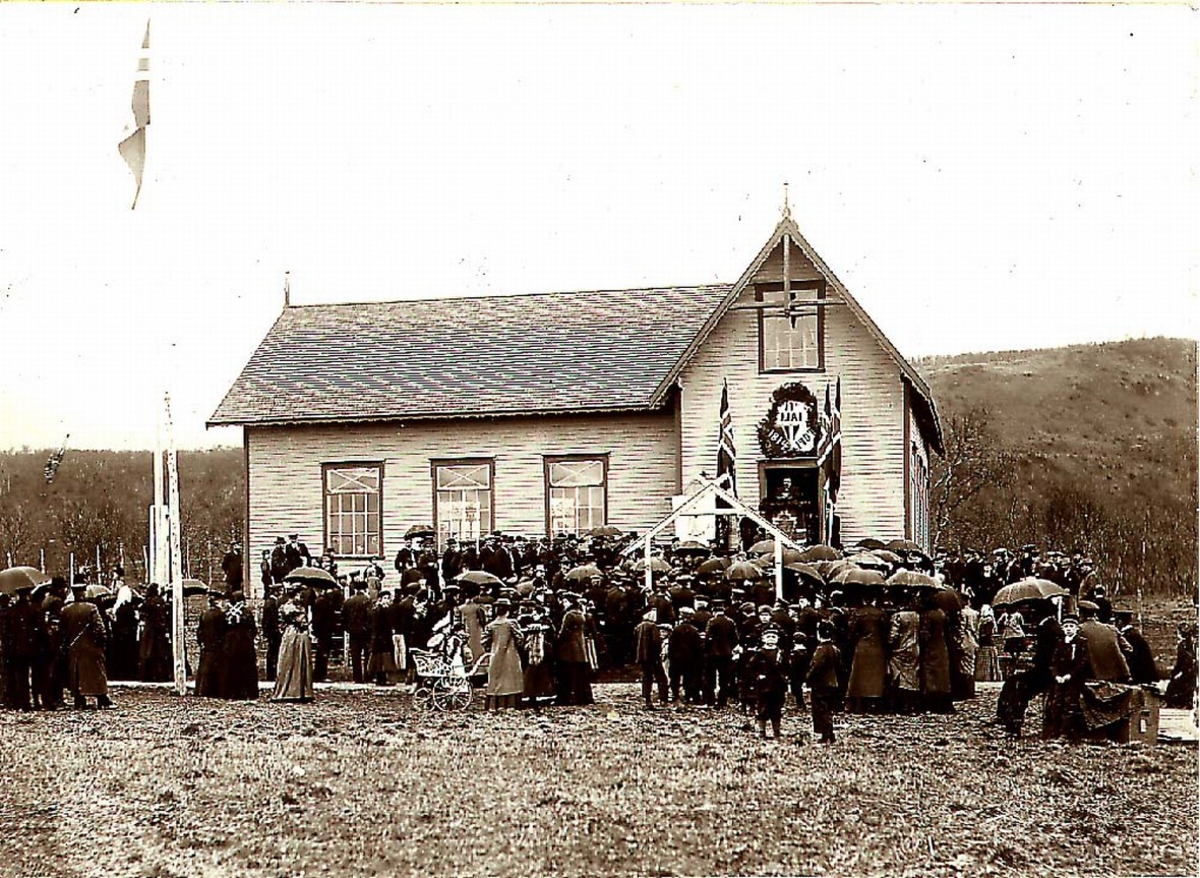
(502,638)
(294,675)
(987,659)
(868,627)
(240,660)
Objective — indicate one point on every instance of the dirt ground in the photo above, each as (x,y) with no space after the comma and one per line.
(361,783)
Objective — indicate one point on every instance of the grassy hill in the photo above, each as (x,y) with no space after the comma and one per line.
(1113,425)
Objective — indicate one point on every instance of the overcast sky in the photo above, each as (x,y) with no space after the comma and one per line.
(981,178)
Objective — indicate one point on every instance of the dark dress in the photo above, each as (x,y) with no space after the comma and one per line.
(210,634)
(1181,690)
(868,667)
(935,662)
(154,651)
(575,685)
(1063,713)
(124,662)
(240,680)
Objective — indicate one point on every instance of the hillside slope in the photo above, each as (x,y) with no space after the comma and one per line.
(1118,419)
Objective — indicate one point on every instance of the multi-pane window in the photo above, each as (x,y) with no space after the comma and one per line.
(790,333)
(463,490)
(353,498)
(575,494)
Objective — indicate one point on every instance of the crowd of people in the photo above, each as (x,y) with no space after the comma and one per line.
(537,620)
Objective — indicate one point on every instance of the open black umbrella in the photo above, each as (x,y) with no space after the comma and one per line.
(479,577)
(15,579)
(743,570)
(606,530)
(583,573)
(870,543)
(902,546)
(807,572)
(691,547)
(419,530)
(820,552)
(1028,589)
(712,566)
(763,547)
(312,576)
(858,576)
(912,579)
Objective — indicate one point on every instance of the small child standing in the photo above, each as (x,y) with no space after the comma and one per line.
(824,673)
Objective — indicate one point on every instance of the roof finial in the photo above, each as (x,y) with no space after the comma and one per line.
(287,289)
(787,209)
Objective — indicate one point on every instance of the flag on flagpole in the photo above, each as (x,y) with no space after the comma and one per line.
(133,147)
(726,451)
(835,442)
(55,461)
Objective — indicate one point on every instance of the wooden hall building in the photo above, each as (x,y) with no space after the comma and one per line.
(538,414)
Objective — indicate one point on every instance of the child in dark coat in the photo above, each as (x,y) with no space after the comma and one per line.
(824,682)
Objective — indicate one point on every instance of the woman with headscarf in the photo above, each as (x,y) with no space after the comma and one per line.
(503,640)
(294,675)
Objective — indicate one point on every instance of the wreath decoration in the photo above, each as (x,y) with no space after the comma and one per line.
(771,438)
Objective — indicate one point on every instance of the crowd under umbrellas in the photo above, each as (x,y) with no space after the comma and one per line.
(877,628)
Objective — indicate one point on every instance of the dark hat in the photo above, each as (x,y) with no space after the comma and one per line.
(293,536)
(1124,612)
(1070,617)
(1088,605)
(502,604)
(825,630)
(771,630)
(279,540)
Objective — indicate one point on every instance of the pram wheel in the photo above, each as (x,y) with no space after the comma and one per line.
(452,694)
(422,699)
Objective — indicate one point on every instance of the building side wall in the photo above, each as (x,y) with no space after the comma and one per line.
(286,491)
(871,500)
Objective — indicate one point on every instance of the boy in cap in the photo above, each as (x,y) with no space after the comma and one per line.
(649,657)
(824,682)
(766,677)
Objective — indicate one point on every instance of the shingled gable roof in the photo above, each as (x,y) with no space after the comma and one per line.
(468,357)
(925,411)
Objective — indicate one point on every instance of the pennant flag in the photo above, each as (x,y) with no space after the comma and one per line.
(726,452)
(133,147)
(55,461)
(835,442)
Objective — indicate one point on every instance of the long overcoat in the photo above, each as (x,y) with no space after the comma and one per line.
(505,675)
(869,665)
(905,661)
(83,639)
(935,653)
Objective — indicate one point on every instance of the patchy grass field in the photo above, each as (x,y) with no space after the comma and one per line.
(361,784)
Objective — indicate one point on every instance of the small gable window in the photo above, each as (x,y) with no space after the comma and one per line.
(791,331)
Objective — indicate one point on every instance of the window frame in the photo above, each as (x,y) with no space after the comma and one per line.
(490,463)
(817,285)
(325,495)
(550,459)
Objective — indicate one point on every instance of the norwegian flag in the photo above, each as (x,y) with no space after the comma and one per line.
(133,146)
(55,461)
(726,451)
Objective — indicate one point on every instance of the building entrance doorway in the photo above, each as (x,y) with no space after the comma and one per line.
(790,499)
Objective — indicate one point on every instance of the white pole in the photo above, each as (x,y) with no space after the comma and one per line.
(778,570)
(649,574)
(42,560)
(176,559)
(71,567)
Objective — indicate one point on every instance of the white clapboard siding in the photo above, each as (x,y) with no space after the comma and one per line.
(285,463)
(871,500)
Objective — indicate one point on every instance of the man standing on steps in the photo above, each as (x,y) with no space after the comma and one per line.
(231,565)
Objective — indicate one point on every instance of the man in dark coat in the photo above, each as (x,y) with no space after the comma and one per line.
(210,634)
(823,679)
(356,623)
(83,639)
(1069,671)
(231,566)
(766,678)
(56,666)
(325,611)
(269,625)
(452,561)
(685,655)
(154,651)
(575,686)
(1140,657)
(279,560)
(24,637)
(721,637)
(1106,647)
(649,658)
(296,553)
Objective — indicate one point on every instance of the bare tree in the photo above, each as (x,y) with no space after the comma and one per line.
(973,461)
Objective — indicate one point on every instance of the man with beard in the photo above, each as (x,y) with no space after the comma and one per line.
(297,553)
(231,566)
